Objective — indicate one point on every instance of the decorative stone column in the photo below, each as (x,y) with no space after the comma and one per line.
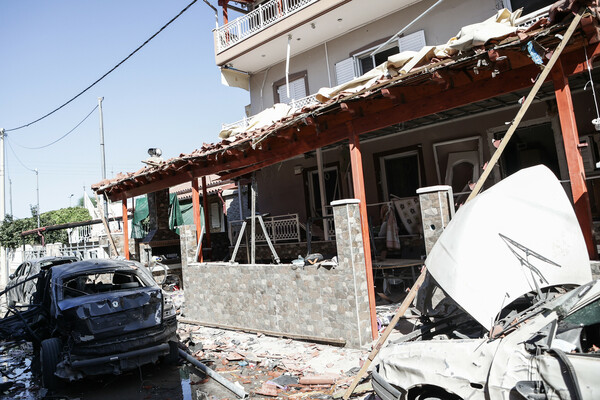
(350,253)
(437,207)
(187,238)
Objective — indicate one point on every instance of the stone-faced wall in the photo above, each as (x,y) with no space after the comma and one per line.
(311,301)
(436,202)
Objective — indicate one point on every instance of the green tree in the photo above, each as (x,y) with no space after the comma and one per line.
(10,230)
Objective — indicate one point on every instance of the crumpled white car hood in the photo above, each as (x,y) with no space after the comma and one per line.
(520,234)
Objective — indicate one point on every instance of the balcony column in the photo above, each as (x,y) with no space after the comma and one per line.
(568,126)
(125,228)
(358,183)
(206,211)
(197,219)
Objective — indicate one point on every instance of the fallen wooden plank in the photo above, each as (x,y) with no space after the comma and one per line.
(530,97)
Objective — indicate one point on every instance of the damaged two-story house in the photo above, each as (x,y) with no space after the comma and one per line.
(371,101)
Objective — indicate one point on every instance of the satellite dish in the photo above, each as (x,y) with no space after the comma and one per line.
(155,152)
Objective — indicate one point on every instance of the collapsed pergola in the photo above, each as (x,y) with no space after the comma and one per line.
(498,68)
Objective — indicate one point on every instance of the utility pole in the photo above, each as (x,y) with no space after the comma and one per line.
(3,254)
(10,195)
(102,153)
(37,189)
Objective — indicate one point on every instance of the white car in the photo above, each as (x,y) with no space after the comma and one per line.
(514,264)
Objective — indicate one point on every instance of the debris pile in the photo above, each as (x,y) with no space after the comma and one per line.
(16,369)
(273,367)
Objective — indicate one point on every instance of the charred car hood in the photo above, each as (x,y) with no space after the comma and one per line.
(517,236)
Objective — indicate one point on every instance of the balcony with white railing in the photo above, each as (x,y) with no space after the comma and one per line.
(265,15)
(296,104)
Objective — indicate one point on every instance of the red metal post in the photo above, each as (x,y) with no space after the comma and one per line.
(358,182)
(125,229)
(206,212)
(225,12)
(568,125)
(196,205)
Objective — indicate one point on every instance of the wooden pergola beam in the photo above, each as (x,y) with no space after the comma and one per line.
(196,207)
(358,183)
(206,213)
(125,229)
(568,126)
(371,115)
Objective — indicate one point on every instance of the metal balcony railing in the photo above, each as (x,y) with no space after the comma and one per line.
(266,14)
(279,228)
(531,18)
(297,104)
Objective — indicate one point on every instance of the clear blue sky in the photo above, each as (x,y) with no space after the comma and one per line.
(169,95)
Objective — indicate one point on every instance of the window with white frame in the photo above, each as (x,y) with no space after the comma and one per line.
(297,90)
(362,62)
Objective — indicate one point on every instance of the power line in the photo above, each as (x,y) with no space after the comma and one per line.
(60,138)
(106,74)
(18,159)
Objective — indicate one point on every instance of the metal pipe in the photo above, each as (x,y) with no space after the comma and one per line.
(239,392)
(216,12)
(102,153)
(327,62)
(322,192)
(262,104)
(37,190)
(253,220)
(287,66)
(405,28)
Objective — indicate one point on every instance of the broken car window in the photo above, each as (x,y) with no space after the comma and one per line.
(83,285)
(582,329)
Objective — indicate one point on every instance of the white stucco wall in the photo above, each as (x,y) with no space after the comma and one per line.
(440,24)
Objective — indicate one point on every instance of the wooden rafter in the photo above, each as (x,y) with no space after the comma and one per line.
(395,105)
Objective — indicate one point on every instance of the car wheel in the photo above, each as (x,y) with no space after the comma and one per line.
(437,394)
(49,358)
(173,357)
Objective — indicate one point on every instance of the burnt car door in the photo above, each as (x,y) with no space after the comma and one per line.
(571,366)
(17,294)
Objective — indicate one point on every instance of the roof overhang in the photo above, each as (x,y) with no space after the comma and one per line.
(427,90)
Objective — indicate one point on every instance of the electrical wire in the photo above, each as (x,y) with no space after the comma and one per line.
(60,138)
(17,157)
(106,74)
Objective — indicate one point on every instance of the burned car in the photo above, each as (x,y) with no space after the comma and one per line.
(510,311)
(97,317)
(24,280)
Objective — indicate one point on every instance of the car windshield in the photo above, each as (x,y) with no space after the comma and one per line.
(94,283)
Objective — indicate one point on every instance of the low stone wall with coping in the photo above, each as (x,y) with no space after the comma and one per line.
(320,302)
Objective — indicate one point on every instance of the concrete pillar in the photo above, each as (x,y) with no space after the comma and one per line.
(350,253)
(187,239)
(437,207)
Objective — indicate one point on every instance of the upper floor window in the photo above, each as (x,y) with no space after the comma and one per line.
(363,61)
(298,88)
(529,6)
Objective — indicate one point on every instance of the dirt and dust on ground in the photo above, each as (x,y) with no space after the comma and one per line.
(266,367)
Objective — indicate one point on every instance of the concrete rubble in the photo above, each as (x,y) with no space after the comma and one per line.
(274,367)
